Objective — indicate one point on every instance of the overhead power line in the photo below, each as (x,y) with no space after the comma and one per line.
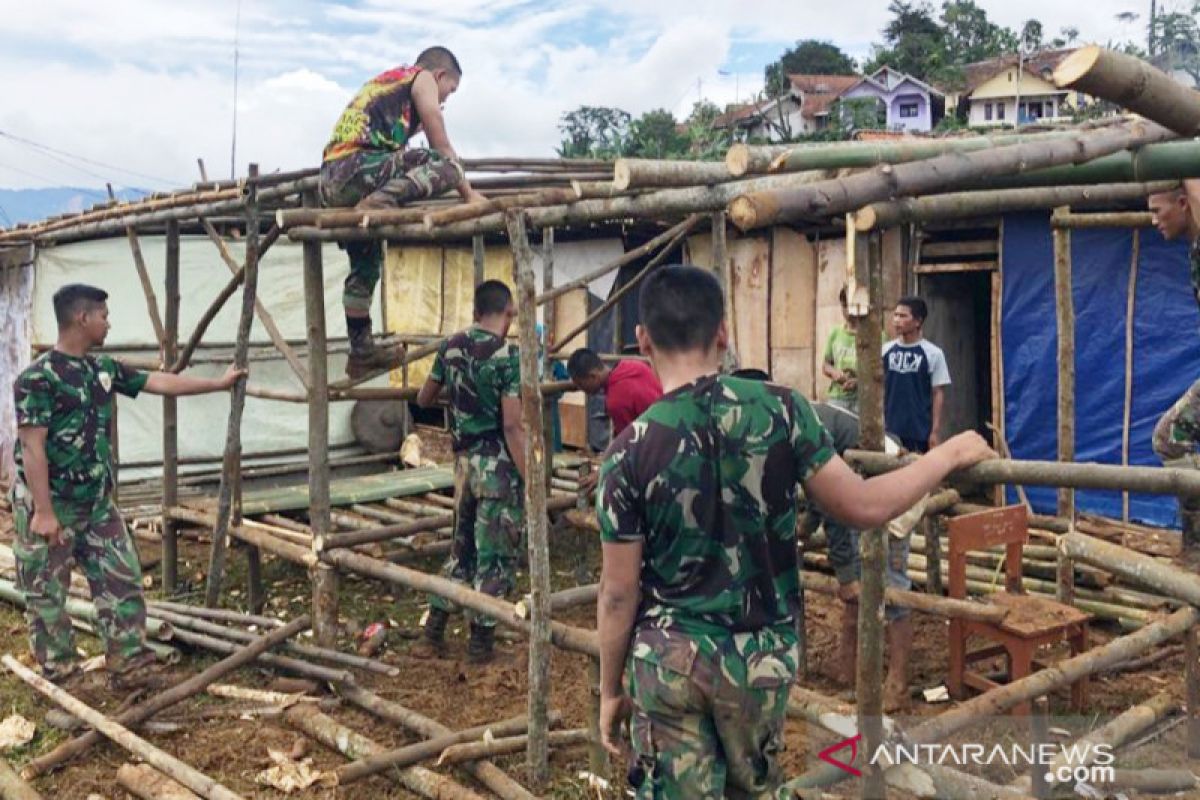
(52,152)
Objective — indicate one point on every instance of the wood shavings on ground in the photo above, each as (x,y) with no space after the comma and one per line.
(16,731)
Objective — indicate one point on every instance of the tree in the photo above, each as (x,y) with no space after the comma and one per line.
(808,57)
(1176,37)
(913,41)
(655,134)
(593,132)
(970,36)
(1031,36)
(705,141)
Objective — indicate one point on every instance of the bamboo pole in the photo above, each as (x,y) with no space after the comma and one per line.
(947,607)
(838,196)
(1131,83)
(264,316)
(549,404)
(723,267)
(476,751)
(381,534)
(218,614)
(629,173)
(139,262)
(295,666)
(1062,218)
(170,414)
(962,205)
(177,694)
(194,341)
(12,787)
(1191,658)
(1132,566)
(744,159)
(1151,480)
(145,782)
(1130,309)
(872,543)
(431,748)
(354,745)
(487,774)
(464,211)
(683,230)
(538,752)
(191,778)
(570,638)
(272,544)
(231,471)
(1064,308)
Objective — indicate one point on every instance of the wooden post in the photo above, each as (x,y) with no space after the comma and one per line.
(724,270)
(931,529)
(598,761)
(255,597)
(479,257)
(873,543)
(1191,652)
(147,288)
(1040,734)
(324,577)
(550,401)
(170,412)
(1064,306)
(229,493)
(537,755)
(1130,309)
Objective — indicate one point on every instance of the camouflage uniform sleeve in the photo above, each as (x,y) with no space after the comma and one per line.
(34,399)
(811,443)
(438,373)
(510,382)
(126,380)
(617,506)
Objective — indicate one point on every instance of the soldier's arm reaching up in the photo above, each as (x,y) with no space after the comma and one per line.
(177,385)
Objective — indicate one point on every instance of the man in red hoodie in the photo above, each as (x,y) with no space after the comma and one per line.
(629,388)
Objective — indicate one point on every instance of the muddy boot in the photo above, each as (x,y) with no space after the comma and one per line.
(480,648)
(367,355)
(142,672)
(432,644)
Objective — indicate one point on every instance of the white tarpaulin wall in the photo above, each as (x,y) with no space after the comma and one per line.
(267,425)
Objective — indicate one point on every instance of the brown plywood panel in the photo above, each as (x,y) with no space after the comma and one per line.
(751,278)
(793,290)
(574,423)
(570,310)
(793,367)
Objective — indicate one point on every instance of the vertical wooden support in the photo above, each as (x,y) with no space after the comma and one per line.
(170,412)
(931,529)
(479,257)
(255,597)
(537,754)
(597,756)
(324,578)
(721,263)
(1191,652)
(1064,584)
(550,402)
(1064,306)
(1039,729)
(147,288)
(873,543)
(231,473)
(1130,310)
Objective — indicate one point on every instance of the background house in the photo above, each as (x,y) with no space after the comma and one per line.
(990,91)
(907,104)
(804,109)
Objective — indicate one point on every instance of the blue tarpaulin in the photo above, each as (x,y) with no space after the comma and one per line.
(1166,351)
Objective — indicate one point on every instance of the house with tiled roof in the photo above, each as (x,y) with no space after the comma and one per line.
(1001,91)
(804,109)
(907,104)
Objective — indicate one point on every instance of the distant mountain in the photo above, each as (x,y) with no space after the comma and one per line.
(31,205)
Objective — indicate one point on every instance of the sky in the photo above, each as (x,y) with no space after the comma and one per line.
(142,88)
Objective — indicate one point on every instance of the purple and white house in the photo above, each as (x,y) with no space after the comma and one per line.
(910,105)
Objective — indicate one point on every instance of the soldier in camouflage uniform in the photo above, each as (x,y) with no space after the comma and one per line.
(482,373)
(62,498)
(367,164)
(1177,434)
(697,511)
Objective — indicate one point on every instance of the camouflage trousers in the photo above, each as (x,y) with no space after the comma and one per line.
(98,541)
(488,521)
(1177,434)
(384,180)
(709,712)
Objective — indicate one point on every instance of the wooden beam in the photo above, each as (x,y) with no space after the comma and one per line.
(971,248)
(1133,84)
(139,263)
(965,266)
(1062,218)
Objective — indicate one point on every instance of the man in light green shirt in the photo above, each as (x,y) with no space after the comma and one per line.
(841,361)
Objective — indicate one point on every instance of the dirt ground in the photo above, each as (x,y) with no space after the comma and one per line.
(234,750)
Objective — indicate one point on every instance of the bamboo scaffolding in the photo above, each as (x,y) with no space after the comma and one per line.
(487,774)
(170,415)
(965,205)
(354,745)
(177,694)
(188,776)
(827,198)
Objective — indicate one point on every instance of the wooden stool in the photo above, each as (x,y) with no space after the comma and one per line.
(1032,622)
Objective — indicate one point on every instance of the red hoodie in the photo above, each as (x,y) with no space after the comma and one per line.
(632,387)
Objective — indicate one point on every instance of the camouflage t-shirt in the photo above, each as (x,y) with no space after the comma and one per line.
(707,478)
(73,399)
(478,368)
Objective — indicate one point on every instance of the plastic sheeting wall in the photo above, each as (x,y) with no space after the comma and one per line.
(1166,351)
(16,287)
(268,425)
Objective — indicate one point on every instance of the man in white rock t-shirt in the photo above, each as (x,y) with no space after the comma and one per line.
(915,380)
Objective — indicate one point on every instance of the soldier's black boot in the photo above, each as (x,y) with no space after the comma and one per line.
(367,355)
(432,643)
(480,648)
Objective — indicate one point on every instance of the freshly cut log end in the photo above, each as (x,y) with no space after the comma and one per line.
(621,175)
(737,160)
(745,211)
(1076,65)
(865,219)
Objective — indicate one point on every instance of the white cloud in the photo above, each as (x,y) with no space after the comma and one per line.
(147,84)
